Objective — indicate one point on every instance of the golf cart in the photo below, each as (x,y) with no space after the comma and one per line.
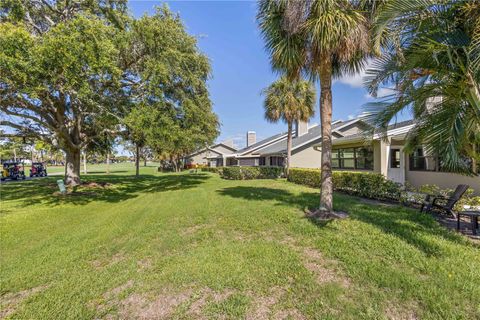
(38,170)
(13,171)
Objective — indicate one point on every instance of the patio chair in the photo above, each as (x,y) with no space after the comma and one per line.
(444,204)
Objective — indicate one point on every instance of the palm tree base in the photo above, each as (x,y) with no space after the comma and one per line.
(321,214)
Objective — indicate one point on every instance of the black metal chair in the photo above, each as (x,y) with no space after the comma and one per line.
(444,204)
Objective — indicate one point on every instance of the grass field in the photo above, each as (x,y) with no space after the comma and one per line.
(186,246)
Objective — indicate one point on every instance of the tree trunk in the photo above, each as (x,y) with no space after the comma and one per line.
(326,191)
(108,162)
(14,155)
(289,147)
(137,160)
(84,162)
(72,167)
(144,161)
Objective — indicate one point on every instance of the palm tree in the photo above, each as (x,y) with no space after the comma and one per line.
(325,39)
(290,101)
(430,51)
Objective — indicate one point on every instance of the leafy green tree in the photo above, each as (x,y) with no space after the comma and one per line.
(430,53)
(53,85)
(165,99)
(325,39)
(290,101)
(74,70)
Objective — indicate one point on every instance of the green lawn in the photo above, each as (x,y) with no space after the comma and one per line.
(186,246)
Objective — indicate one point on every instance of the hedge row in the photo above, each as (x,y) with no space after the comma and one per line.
(248,173)
(363,184)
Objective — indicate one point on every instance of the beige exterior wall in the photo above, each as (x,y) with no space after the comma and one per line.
(201,158)
(223,150)
(307,158)
(442,179)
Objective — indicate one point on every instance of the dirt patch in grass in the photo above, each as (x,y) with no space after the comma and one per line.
(263,305)
(159,305)
(395,313)
(10,301)
(207,295)
(138,306)
(193,229)
(323,268)
(289,314)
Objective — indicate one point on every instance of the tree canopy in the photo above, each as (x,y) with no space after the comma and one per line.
(73,72)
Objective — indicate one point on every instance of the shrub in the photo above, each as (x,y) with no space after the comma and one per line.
(417,195)
(364,184)
(249,173)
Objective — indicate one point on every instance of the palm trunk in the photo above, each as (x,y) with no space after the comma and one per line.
(72,167)
(326,191)
(289,148)
(137,160)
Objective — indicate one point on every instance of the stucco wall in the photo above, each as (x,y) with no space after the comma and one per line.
(442,179)
(223,150)
(306,158)
(201,158)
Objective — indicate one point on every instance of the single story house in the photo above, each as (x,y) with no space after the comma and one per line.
(212,156)
(352,152)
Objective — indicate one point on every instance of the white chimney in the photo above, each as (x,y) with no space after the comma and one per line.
(251,138)
(301,128)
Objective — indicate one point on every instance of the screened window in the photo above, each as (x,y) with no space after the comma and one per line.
(353,158)
(261,161)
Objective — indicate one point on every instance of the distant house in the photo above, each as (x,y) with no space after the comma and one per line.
(212,156)
(353,152)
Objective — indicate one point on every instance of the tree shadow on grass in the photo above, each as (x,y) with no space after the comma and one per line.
(407,224)
(118,188)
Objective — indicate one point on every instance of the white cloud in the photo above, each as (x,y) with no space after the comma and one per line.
(351,116)
(356,80)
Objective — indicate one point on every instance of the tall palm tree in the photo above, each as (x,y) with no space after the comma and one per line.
(290,101)
(325,39)
(430,49)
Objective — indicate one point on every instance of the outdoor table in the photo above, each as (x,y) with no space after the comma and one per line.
(474,219)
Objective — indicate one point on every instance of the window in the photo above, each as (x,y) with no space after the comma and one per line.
(360,158)
(261,161)
(420,162)
(394,158)
(276,161)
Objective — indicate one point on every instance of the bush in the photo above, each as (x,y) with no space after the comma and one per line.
(363,184)
(249,173)
(417,195)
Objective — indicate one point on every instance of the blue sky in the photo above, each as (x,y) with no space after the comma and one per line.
(227,33)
